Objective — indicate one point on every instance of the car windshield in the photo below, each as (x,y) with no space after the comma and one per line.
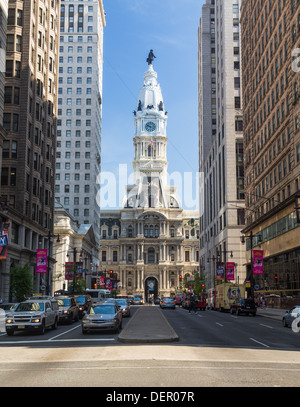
(121,302)
(30,306)
(64,302)
(81,299)
(102,309)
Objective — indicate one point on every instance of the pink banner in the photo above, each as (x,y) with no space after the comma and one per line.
(41,261)
(258,261)
(230,271)
(69,271)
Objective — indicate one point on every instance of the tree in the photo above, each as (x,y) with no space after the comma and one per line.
(21,283)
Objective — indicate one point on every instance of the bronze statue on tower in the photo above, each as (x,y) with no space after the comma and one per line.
(151,57)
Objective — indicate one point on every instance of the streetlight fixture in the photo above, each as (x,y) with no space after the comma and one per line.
(259,241)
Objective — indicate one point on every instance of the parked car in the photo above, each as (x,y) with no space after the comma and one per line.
(290,316)
(102,316)
(33,314)
(68,309)
(124,306)
(246,306)
(130,300)
(8,306)
(84,302)
(157,301)
(167,302)
(137,301)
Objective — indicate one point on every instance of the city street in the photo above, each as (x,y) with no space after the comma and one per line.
(214,349)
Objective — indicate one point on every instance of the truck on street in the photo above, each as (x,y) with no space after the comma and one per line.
(226,294)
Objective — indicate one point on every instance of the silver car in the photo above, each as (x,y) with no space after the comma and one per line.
(124,306)
(290,316)
(102,316)
(167,302)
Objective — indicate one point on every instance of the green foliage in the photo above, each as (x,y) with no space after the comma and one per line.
(21,283)
(197,285)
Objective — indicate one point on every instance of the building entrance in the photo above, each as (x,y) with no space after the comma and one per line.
(151,289)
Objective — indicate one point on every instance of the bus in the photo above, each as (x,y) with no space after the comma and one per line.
(98,294)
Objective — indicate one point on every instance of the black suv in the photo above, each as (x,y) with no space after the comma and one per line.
(84,302)
(68,309)
(243,306)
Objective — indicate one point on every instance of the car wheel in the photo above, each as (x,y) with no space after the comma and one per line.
(284,322)
(10,333)
(84,331)
(43,328)
(238,312)
(77,318)
(54,326)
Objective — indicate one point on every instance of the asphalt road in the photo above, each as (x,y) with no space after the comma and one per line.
(214,350)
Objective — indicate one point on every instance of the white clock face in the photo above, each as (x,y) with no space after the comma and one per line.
(150,126)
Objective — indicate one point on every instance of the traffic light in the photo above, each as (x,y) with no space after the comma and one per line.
(180,277)
(276,278)
(110,272)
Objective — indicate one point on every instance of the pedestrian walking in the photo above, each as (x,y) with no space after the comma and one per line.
(192,304)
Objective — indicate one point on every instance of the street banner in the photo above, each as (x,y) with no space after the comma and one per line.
(230,271)
(4,232)
(151,285)
(41,261)
(220,271)
(79,269)
(69,270)
(102,281)
(258,261)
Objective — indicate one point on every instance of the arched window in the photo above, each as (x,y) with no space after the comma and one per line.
(149,151)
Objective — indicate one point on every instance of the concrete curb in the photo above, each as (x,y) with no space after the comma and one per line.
(147,333)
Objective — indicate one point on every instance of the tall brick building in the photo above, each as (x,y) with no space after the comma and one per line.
(271,107)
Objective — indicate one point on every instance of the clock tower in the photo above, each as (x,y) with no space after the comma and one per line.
(150,145)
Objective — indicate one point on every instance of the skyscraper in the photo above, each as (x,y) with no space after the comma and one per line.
(220,137)
(30,103)
(270,56)
(78,154)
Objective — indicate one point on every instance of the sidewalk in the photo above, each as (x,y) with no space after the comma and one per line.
(148,325)
(273,313)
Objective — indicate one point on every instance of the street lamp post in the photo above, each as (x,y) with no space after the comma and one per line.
(251,237)
(50,235)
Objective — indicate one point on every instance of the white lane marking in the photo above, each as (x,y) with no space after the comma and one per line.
(219,324)
(63,333)
(267,326)
(260,343)
(58,340)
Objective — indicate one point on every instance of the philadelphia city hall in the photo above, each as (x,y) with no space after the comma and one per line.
(151,242)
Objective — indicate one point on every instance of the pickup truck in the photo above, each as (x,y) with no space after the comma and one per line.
(33,314)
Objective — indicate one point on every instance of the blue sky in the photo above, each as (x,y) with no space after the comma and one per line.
(133,27)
